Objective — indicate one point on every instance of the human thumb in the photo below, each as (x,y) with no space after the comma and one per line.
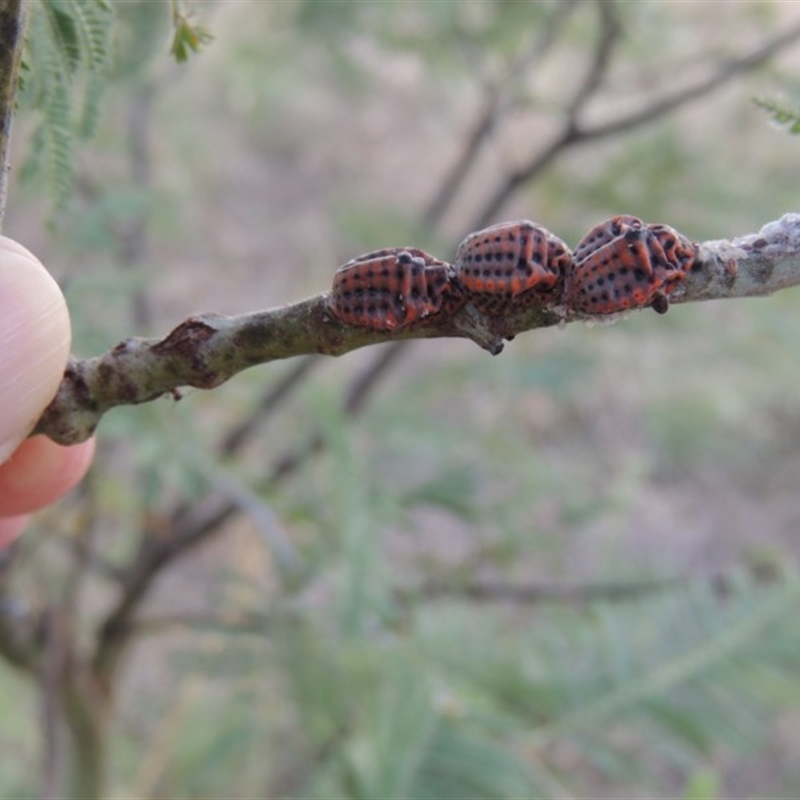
(34,342)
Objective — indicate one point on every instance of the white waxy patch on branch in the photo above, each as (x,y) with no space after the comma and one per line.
(783,233)
(754,265)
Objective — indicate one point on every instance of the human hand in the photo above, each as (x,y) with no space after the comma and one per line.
(34,347)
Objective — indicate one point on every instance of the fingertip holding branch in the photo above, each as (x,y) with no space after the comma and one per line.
(206,350)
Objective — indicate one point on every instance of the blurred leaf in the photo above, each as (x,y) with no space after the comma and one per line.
(454,488)
(782,116)
(555,372)
(141,32)
(459,764)
(188,38)
(384,758)
(703,785)
(684,669)
(681,723)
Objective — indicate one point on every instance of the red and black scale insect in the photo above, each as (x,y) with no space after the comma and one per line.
(623,264)
(504,268)
(393,288)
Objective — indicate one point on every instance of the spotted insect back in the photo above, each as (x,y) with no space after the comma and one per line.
(506,266)
(393,288)
(679,252)
(624,264)
(603,233)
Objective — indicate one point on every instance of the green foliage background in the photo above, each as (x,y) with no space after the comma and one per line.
(661,451)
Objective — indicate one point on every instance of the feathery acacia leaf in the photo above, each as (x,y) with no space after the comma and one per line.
(66,57)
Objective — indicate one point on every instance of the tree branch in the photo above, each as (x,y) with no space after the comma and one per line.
(499,101)
(568,135)
(721,582)
(529,594)
(207,349)
(573,133)
(12,40)
(672,101)
(607,38)
(55,659)
(253,623)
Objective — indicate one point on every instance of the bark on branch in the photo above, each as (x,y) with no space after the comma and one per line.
(12,37)
(205,350)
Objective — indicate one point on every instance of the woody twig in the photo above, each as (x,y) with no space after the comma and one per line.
(206,350)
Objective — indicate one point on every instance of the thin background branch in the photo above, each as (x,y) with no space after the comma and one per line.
(56,644)
(572,132)
(12,37)
(502,98)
